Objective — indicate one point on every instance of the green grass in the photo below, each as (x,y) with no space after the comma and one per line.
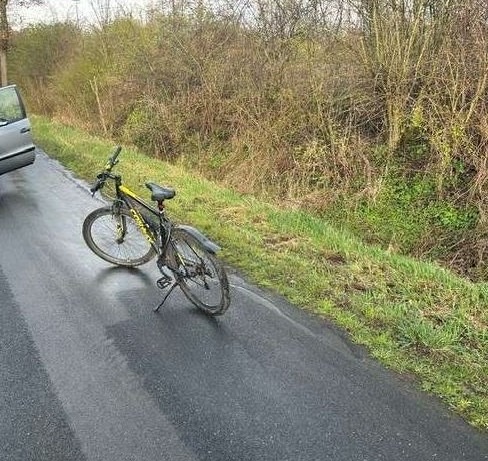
(414,317)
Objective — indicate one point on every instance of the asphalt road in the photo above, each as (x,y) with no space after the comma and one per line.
(89,372)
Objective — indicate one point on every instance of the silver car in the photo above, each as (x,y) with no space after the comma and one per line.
(16,147)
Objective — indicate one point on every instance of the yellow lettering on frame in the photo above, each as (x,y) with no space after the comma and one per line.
(142,225)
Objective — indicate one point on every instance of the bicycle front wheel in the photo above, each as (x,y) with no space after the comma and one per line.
(200,274)
(115,237)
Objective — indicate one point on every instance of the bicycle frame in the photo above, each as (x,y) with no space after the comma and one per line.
(126,196)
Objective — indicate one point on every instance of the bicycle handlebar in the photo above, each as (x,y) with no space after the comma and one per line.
(102,177)
(112,161)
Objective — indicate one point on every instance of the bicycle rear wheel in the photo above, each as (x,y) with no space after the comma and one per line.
(200,275)
(115,237)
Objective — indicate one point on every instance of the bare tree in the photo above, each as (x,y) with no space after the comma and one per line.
(5,33)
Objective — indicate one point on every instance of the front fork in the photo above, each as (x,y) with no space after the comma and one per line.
(121,226)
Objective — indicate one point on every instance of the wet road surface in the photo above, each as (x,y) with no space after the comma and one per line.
(89,372)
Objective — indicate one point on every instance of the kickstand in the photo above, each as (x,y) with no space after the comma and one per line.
(165,297)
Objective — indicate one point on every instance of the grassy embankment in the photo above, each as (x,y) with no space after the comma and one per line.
(414,317)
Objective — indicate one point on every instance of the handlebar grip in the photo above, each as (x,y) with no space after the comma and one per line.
(115,155)
(112,161)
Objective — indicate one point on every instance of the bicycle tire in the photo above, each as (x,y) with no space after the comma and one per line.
(102,234)
(200,274)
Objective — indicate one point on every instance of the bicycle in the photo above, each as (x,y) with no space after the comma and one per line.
(131,232)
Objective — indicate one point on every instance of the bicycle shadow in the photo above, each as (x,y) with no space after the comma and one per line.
(108,275)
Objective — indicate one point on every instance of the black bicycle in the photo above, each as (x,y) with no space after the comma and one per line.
(131,232)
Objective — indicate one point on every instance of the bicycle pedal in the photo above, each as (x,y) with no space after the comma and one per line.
(164,282)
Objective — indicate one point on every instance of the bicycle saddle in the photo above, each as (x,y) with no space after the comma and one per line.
(159,193)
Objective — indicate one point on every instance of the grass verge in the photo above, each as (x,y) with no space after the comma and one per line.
(415,317)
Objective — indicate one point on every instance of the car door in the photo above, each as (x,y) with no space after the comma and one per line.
(16,146)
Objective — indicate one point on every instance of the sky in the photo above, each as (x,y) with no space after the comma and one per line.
(86,11)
